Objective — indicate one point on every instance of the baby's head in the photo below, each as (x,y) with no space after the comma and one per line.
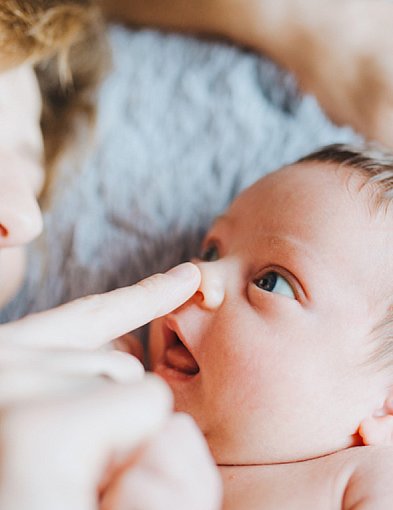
(287,348)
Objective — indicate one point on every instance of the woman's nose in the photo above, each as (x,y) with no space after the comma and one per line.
(20,215)
(211,292)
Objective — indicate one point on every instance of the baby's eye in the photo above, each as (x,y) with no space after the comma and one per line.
(274,282)
(210,253)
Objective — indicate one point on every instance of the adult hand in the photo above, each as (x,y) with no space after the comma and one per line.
(177,464)
(64,429)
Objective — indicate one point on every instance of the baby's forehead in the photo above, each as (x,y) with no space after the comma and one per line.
(316,184)
(315,173)
(322,183)
(330,210)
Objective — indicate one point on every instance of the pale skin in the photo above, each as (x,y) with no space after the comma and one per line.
(275,371)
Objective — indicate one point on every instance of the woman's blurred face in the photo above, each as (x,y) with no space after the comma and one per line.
(21,173)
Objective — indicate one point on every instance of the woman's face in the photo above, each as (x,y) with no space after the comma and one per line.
(21,173)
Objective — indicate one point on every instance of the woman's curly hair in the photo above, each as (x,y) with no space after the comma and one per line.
(66,41)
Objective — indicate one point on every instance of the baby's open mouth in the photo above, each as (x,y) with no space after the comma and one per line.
(177,356)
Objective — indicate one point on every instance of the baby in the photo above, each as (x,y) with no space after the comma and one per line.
(284,356)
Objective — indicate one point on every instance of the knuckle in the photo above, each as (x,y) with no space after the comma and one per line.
(123,367)
(150,284)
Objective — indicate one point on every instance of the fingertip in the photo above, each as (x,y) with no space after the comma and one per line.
(185,271)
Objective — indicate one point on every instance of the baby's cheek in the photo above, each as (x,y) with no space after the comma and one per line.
(238,380)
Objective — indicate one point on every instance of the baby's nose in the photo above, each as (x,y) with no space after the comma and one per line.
(20,215)
(211,292)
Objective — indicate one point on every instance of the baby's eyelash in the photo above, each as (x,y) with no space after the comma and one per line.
(273,282)
(210,252)
(285,276)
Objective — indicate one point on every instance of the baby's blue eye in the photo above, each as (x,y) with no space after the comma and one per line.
(274,282)
(210,253)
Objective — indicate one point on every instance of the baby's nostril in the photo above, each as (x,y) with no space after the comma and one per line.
(210,297)
(3,231)
(199,296)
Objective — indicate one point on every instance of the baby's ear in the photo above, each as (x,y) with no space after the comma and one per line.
(377,429)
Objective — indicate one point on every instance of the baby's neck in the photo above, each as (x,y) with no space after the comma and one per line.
(286,486)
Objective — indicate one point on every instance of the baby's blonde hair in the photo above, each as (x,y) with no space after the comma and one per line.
(375,164)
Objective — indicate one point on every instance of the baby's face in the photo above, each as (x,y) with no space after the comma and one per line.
(271,362)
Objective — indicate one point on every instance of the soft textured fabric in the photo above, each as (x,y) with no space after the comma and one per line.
(183,126)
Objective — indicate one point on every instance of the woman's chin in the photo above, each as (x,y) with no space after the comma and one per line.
(12,272)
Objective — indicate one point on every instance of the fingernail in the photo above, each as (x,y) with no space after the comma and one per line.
(184,271)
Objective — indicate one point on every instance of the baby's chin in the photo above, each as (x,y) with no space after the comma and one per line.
(12,272)
(233,447)
(224,455)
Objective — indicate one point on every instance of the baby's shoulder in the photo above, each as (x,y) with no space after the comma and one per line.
(355,478)
(369,472)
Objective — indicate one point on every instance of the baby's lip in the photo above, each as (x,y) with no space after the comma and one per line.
(177,354)
(171,326)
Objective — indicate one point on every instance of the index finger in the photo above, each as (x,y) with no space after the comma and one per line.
(92,321)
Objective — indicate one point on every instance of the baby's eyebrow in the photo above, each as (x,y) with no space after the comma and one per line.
(222,218)
(290,248)
(292,244)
